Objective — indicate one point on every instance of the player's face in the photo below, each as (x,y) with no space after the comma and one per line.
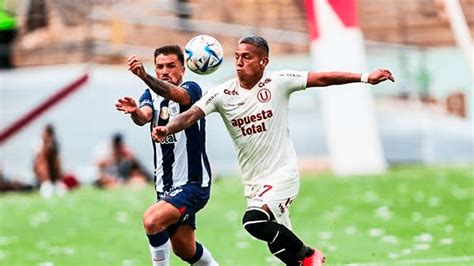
(168,68)
(247,62)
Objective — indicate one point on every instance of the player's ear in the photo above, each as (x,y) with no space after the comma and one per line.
(264,61)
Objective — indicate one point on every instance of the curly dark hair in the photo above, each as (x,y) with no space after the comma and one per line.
(170,49)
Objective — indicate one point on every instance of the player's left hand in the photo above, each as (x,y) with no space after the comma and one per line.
(379,75)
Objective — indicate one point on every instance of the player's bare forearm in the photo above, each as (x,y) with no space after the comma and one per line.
(167,90)
(319,79)
(185,120)
(160,87)
(140,118)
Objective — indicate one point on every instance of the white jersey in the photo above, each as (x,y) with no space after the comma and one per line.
(257,121)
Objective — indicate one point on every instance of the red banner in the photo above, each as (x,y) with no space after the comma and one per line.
(43,107)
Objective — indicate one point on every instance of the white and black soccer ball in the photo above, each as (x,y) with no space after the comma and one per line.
(203,54)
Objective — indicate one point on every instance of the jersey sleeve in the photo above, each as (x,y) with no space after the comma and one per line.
(293,80)
(209,101)
(145,99)
(193,89)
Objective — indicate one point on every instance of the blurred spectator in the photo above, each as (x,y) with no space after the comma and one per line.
(11,184)
(183,12)
(47,166)
(120,166)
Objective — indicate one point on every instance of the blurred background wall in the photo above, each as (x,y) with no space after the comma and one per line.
(425,117)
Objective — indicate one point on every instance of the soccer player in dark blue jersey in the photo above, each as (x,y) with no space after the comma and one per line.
(182,170)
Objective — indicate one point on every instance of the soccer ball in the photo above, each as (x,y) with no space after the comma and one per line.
(203,54)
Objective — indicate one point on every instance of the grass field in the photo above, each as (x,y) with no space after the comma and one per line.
(411,215)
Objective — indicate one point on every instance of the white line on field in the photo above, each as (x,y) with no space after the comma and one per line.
(416,261)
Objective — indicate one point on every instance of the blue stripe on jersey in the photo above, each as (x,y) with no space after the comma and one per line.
(155,163)
(207,165)
(146,99)
(194,137)
(153,143)
(193,148)
(167,152)
(168,160)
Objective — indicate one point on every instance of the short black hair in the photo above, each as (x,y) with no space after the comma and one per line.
(49,129)
(117,139)
(170,49)
(256,41)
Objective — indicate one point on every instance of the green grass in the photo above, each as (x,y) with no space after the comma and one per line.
(408,214)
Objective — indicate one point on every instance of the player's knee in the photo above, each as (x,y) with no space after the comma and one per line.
(255,221)
(152,224)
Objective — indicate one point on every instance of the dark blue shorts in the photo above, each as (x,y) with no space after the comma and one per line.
(189,199)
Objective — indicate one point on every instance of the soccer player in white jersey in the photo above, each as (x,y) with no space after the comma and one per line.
(182,171)
(254,107)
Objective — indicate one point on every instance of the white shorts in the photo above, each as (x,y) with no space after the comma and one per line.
(278,197)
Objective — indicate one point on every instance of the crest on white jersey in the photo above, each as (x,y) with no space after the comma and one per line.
(264,95)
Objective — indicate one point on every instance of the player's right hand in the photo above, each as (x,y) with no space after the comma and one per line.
(380,75)
(136,66)
(126,105)
(159,133)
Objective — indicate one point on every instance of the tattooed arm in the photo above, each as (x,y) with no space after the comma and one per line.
(160,87)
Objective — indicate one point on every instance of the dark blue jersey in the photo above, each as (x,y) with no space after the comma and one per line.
(180,158)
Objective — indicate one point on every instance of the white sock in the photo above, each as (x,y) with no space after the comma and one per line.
(46,189)
(160,256)
(206,259)
(60,188)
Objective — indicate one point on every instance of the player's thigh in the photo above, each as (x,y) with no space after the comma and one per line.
(274,198)
(183,241)
(161,214)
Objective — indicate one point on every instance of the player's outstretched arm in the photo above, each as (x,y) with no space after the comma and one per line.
(162,88)
(140,116)
(319,79)
(180,122)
